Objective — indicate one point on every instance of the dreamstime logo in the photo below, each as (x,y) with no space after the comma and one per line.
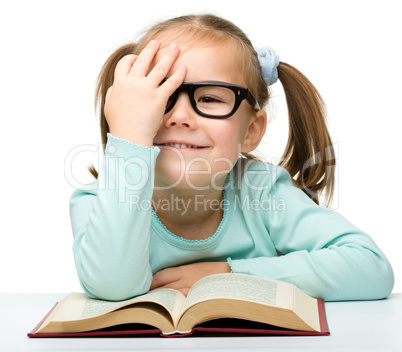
(129,175)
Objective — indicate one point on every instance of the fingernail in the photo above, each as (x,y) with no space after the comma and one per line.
(153,42)
(173,47)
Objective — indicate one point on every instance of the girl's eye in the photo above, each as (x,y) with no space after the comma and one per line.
(209,99)
(214,95)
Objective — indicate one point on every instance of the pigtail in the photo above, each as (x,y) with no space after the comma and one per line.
(309,156)
(105,80)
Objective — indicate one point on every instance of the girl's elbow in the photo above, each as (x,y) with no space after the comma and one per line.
(376,281)
(383,282)
(368,280)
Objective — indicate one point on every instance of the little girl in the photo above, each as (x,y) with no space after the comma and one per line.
(180,197)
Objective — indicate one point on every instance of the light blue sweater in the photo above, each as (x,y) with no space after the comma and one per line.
(270,228)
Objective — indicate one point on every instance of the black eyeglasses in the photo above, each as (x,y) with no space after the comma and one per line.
(213,99)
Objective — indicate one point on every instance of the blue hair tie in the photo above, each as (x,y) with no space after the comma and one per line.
(269,62)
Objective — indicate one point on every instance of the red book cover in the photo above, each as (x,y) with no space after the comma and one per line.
(218,327)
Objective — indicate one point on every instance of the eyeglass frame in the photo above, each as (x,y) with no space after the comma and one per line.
(240,93)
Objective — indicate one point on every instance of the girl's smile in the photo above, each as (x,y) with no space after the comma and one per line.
(182,147)
(179,145)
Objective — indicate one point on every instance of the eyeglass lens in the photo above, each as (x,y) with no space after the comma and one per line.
(212,100)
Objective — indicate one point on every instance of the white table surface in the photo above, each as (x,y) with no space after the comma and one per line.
(354,326)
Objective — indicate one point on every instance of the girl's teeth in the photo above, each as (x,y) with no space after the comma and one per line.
(176,145)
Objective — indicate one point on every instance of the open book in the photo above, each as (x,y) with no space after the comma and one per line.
(236,303)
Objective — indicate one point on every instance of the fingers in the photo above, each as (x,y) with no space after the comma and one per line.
(174,81)
(160,70)
(177,285)
(165,277)
(124,66)
(144,59)
(138,65)
(164,65)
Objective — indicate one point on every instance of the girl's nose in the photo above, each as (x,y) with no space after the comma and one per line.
(182,114)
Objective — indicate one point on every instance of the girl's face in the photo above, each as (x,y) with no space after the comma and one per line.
(222,139)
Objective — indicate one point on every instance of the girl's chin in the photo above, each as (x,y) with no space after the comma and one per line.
(188,183)
(180,169)
(197,175)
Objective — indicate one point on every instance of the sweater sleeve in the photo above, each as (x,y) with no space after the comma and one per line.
(318,250)
(111,223)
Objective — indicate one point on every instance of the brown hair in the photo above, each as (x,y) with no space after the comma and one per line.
(309,155)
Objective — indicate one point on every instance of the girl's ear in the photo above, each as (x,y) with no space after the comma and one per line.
(255,131)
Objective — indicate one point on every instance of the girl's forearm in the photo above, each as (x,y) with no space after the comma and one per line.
(334,274)
(111,231)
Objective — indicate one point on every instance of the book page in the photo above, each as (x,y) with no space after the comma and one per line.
(78,306)
(306,308)
(242,287)
(165,297)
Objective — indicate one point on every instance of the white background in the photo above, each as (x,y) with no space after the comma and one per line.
(52,51)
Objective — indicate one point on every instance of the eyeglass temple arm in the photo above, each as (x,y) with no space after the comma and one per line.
(253,101)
